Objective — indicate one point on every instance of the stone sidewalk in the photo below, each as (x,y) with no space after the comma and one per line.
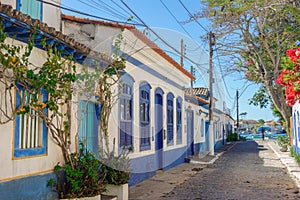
(164,182)
(288,161)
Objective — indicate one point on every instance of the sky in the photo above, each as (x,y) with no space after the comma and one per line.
(166,18)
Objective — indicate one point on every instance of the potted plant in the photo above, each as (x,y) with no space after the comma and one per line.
(117,174)
(82,177)
(283,142)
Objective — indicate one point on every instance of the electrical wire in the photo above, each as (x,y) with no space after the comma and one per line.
(226,87)
(175,19)
(158,36)
(111,10)
(90,15)
(97,6)
(192,16)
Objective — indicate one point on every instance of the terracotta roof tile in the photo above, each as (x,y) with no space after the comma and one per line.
(137,33)
(158,50)
(198,91)
(9,11)
(91,21)
(20,19)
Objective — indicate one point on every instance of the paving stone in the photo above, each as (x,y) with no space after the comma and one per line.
(242,172)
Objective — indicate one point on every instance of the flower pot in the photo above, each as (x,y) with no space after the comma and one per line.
(121,191)
(283,149)
(98,197)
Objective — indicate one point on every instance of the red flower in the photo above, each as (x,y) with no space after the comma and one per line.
(290,77)
(294,54)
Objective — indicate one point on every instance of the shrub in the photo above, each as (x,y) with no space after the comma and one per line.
(295,155)
(82,177)
(283,141)
(232,137)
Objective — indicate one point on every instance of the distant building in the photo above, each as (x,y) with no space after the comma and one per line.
(247,125)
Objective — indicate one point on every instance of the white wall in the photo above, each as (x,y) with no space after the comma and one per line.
(11,167)
(51,14)
(198,127)
(101,38)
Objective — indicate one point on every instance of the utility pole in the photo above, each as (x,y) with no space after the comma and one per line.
(211,102)
(192,72)
(181,52)
(237,113)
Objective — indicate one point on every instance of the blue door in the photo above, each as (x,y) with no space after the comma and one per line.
(207,136)
(159,130)
(190,133)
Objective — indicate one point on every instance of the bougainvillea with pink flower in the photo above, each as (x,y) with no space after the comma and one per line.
(290,76)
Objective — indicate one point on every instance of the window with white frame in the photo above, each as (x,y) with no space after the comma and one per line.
(145,116)
(202,129)
(30,136)
(126,115)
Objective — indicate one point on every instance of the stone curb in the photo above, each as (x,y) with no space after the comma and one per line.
(214,159)
(289,162)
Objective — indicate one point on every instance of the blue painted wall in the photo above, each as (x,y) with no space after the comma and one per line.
(200,147)
(145,167)
(174,157)
(28,188)
(218,144)
(197,147)
(142,168)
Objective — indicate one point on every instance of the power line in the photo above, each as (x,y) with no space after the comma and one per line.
(121,8)
(158,36)
(175,18)
(86,14)
(97,6)
(245,88)
(192,16)
(223,76)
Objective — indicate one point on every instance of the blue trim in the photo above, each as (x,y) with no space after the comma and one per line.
(127,78)
(18,6)
(145,167)
(158,90)
(150,70)
(18,153)
(41,13)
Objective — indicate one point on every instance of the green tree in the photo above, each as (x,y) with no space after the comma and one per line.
(261,122)
(254,36)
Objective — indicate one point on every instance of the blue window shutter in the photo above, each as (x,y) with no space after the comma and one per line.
(179,120)
(170,119)
(125,112)
(88,127)
(122,134)
(145,116)
(31,7)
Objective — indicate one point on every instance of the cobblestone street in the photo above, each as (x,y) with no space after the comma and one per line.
(249,170)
